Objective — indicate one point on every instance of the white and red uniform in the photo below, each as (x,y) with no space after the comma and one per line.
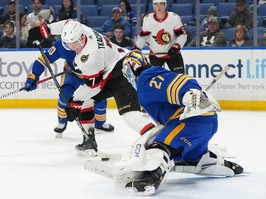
(96,61)
(160,35)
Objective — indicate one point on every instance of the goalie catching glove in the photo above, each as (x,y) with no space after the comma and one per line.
(198,102)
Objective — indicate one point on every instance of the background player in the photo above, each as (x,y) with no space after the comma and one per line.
(164,32)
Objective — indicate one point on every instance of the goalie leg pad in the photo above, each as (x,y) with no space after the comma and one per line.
(212,165)
(146,177)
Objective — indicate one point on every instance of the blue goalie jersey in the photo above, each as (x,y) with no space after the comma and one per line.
(160,92)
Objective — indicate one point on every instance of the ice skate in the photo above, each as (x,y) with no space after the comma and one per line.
(59,129)
(148,185)
(88,146)
(105,127)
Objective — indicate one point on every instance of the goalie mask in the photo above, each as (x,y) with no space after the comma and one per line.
(134,63)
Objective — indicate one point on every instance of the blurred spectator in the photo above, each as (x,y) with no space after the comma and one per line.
(261,2)
(24,26)
(128,13)
(108,27)
(119,37)
(68,11)
(212,12)
(9,40)
(241,37)
(211,37)
(38,14)
(262,42)
(11,13)
(241,15)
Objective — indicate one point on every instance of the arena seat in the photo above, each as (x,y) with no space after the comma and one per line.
(214,1)
(108,2)
(89,10)
(260,32)
(229,33)
(185,9)
(262,11)
(96,21)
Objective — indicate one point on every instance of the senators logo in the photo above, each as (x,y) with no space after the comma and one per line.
(84,58)
(162,37)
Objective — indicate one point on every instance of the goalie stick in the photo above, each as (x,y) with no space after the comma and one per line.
(225,69)
(160,53)
(24,88)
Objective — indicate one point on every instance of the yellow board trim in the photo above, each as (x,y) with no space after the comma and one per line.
(52,103)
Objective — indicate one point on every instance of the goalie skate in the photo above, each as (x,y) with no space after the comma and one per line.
(148,185)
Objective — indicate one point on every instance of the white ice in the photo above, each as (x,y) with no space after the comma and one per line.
(36,165)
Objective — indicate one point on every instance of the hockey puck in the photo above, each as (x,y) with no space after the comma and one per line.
(105,159)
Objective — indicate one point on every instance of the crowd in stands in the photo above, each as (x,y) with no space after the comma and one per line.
(118,20)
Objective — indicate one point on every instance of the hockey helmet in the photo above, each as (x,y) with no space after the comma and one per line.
(134,63)
(135,59)
(72,32)
(159,1)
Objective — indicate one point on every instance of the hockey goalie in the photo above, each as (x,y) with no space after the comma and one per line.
(187,118)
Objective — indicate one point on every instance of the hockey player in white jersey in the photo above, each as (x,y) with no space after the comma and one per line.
(164,33)
(100,62)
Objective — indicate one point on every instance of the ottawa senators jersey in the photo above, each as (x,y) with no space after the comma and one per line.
(160,35)
(161,92)
(96,61)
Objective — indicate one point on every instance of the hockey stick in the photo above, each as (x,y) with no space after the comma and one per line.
(159,53)
(225,69)
(46,62)
(24,88)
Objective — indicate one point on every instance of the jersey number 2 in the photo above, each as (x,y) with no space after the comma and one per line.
(156,82)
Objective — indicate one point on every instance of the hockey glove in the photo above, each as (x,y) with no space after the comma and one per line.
(45,30)
(198,102)
(174,50)
(31,82)
(39,33)
(73,111)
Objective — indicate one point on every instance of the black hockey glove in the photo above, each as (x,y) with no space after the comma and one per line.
(73,111)
(30,84)
(39,33)
(174,50)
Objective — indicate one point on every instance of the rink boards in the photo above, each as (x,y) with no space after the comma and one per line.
(243,87)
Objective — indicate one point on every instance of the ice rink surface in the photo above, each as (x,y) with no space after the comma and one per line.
(36,165)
